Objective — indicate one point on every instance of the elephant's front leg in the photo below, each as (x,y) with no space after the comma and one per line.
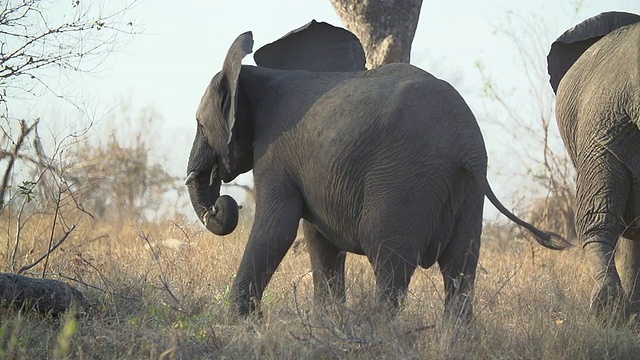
(327,263)
(274,229)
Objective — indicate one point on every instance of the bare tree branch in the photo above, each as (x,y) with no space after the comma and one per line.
(51,249)
(13,155)
(41,40)
(532,126)
(46,296)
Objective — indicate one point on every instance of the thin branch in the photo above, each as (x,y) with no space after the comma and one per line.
(18,236)
(24,132)
(156,259)
(53,229)
(60,275)
(51,249)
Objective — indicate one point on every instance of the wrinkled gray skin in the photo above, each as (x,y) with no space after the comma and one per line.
(388,163)
(598,112)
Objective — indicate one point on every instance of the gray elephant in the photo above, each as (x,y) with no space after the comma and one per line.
(387,163)
(594,69)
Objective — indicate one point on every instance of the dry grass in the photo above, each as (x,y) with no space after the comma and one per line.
(530,303)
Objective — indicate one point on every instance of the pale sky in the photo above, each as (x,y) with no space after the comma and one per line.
(183,44)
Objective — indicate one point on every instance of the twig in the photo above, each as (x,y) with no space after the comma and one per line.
(495,295)
(100,275)
(24,132)
(53,229)
(80,282)
(51,249)
(156,259)
(303,318)
(419,329)
(97,287)
(182,230)
(16,244)
(90,241)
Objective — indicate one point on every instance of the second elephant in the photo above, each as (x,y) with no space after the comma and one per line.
(594,68)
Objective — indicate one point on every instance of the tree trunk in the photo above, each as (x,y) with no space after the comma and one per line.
(385,27)
(46,296)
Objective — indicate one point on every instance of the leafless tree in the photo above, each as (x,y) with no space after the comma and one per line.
(37,39)
(385,27)
(41,41)
(532,125)
(117,182)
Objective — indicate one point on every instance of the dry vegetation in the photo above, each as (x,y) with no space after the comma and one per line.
(161,301)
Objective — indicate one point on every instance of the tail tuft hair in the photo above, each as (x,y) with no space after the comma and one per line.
(552,241)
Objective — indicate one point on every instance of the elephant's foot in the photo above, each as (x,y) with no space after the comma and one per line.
(609,303)
(245,306)
(608,299)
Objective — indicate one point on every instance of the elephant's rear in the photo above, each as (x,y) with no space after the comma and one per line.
(410,151)
(445,119)
(598,116)
(447,124)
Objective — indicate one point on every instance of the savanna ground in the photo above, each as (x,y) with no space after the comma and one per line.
(167,302)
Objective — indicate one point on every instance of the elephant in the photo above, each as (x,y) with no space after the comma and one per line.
(388,163)
(594,71)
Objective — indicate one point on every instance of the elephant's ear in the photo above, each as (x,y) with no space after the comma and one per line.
(575,41)
(241,47)
(316,46)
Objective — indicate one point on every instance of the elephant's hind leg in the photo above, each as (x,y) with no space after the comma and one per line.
(632,212)
(602,188)
(327,263)
(628,264)
(458,263)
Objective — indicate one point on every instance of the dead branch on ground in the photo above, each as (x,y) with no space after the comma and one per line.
(46,296)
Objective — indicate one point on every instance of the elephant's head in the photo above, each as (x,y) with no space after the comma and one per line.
(223,146)
(575,41)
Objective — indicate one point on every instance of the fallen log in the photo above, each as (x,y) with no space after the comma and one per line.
(46,296)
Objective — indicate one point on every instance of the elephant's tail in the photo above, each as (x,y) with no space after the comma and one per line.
(545,238)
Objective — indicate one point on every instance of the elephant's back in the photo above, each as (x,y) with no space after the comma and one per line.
(603,83)
(605,70)
(407,131)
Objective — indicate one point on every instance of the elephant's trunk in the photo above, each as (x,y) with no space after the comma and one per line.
(218,213)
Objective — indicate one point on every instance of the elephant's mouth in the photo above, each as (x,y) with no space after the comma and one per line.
(206,212)
(194,174)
